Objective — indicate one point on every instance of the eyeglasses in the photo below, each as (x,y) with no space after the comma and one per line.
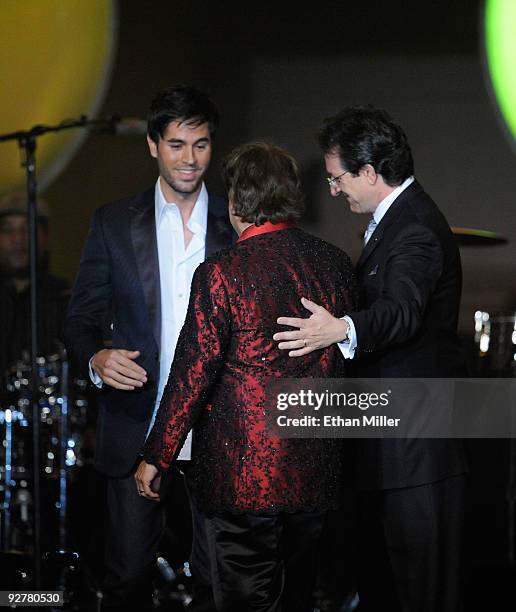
(334,181)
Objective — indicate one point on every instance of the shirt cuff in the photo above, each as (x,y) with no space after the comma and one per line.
(94,377)
(347,347)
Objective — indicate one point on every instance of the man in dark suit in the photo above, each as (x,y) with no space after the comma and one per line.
(263,497)
(135,277)
(409,274)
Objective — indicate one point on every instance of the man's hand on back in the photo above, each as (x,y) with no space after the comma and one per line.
(317,332)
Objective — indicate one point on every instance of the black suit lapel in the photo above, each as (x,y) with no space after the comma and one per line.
(143,236)
(219,233)
(388,219)
(373,242)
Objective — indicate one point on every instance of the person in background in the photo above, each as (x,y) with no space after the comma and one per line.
(54,292)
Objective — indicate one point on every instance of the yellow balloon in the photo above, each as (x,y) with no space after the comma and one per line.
(55,64)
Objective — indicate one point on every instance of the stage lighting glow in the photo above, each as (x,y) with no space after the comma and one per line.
(55,65)
(500,43)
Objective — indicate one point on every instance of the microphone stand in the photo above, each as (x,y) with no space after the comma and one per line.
(27,140)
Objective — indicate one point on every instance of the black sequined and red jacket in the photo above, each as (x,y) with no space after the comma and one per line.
(224,358)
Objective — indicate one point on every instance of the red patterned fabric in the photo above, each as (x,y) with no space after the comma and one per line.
(223,360)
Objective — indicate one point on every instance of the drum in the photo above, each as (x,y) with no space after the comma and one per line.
(495,337)
(63,413)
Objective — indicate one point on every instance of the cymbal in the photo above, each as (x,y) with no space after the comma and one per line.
(467,236)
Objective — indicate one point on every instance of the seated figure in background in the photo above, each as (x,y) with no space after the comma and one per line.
(15,284)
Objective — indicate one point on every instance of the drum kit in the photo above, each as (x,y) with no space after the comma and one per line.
(495,348)
(63,419)
(495,337)
(495,332)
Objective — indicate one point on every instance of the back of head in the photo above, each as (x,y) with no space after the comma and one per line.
(184,104)
(363,135)
(263,184)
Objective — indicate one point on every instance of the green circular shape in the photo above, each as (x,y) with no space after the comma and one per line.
(500,45)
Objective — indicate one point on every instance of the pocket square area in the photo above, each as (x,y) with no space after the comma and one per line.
(373,271)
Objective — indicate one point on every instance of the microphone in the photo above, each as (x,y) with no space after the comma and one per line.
(126,126)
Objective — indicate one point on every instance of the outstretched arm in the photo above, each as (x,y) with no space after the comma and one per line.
(198,358)
(91,297)
(412,266)
(88,309)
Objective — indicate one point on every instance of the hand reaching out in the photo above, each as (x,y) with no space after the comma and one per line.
(117,368)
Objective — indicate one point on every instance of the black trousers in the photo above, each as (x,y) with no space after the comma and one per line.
(410,548)
(263,563)
(135,526)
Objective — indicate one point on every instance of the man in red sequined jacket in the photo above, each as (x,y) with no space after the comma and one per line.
(263,498)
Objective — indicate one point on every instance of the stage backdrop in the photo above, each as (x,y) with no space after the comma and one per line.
(276,73)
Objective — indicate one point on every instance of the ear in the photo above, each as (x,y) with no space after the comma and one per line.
(369,173)
(153,147)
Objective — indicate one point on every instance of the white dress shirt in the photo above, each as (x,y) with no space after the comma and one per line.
(177,265)
(349,345)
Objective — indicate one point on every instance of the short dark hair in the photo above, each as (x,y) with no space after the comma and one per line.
(182,103)
(367,135)
(263,184)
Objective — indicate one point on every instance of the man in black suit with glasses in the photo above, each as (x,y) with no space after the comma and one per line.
(410,491)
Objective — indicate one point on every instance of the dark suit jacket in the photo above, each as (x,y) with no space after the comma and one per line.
(226,356)
(409,277)
(118,284)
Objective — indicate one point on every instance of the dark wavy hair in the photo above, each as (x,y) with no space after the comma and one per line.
(263,184)
(367,135)
(182,103)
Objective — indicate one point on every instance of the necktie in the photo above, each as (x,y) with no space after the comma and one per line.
(369,231)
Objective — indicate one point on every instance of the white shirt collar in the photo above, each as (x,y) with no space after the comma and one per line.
(198,221)
(387,202)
